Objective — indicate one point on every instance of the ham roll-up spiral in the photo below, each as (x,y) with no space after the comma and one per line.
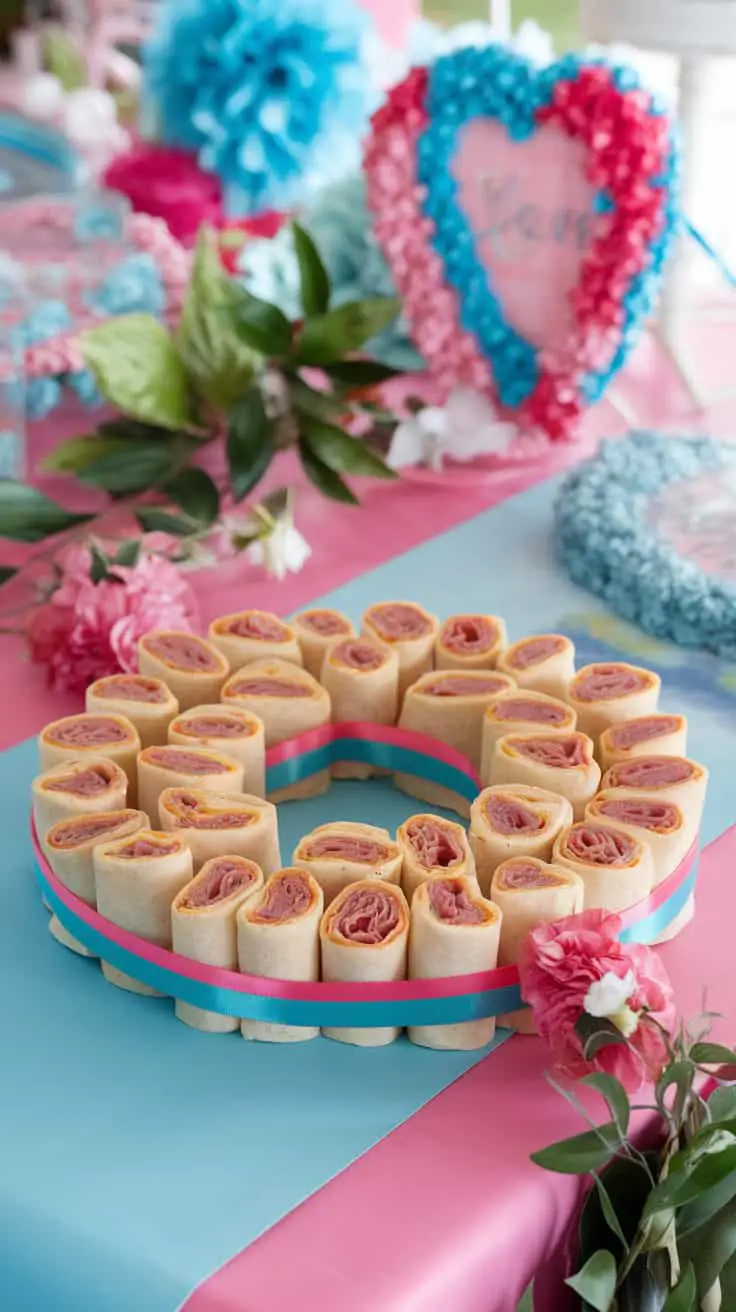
(605,694)
(361,677)
(409,630)
(514,820)
(431,846)
(521,712)
(170,766)
(228,729)
(660,824)
(544,663)
(615,867)
(278,938)
(561,763)
(316,631)
(344,851)
(254,635)
(469,642)
(74,788)
(668,779)
(69,848)
(289,701)
(648,735)
(203,927)
(454,931)
(147,703)
(365,937)
(78,736)
(222,824)
(191,667)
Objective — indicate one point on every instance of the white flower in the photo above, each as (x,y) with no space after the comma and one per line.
(43,97)
(608,998)
(283,551)
(466,427)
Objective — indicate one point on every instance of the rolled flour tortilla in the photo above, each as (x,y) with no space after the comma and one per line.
(648,735)
(615,867)
(78,736)
(254,635)
(222,824)
(431,846)
(606,694)
(364,937)
(231,730)
(81,787)
(469,642)
(289,701)
(316,631)
(521,712)
(454,931)
(278,938)
(659,824)
(69,846)
(170,766)
(361,677)
(561,763)
(137,879)
(409,630)
(544,663)
(147,703)
(192,668)
(667,778)
(203,927)
(514,820)
(530,892)
(344,852)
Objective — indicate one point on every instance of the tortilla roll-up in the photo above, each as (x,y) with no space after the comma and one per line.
(289,701)
(431,846)
(530,892)
(616,868)
(222,824)
(203,927)
(137,879)
(521,712)
(449,705)
(544,663)
(605,694)
(561,763)
(364,937)
(344,852)
(514,820)
(69,846)
(649,735)
(668,779)
(469,642)
(254,635)
(317,631)
(192,668)
(79,787)
(170,766)
(278,938)
(228,729)
(78,736)
(409,630)
(453,931)
(148,703)
(362,679)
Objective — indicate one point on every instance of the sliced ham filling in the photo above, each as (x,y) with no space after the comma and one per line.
(141,847)
(184,651)
(86,783)
(87,731)
(469,635)
(214,726)
(507,816)
(397,621)
(184,762)
(450,903)
(190,813)
(324,622)
(285,896)
(225,876)
(604,682)
(535,650)
(600,847)
(346,847)
(463,685)
(433,845)
(528,708)
(632,732)
(367,915)
(270,688)
(559,753)
(650,772)
(662,817)
(131,688)
(358,655)
(72,833)
(257,624)
(524,874)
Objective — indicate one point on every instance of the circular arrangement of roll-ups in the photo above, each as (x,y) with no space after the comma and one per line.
(157,826)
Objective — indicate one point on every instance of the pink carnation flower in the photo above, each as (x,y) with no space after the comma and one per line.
(86,630)
(170,185)
(558,964)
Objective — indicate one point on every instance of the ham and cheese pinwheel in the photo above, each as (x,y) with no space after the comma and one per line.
(343,852)
(616,868)
(74,788)
(169,766)
(409,630)
(79,736)
(203,927)
(254,635)
(521,712)
(454,931)
(364,937)
(606,694)
(147,703)
(514,820)
(561,763)
(228,729)
(69,847)
(289,701)
(222,824)
(660,824)
(469,642)
(278,938)
(542,663)
(430,846)
(193,669)
(362,679)
(667,778)
(316,630)
(649,735)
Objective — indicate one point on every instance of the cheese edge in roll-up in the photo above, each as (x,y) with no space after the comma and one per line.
(204,928)
(191,667)
(361,677)
(676,779)
(137,879)
(222,824)
(254,635)
(148,703)
(229,729)
(169,766)
(430,846)
(77,787)
(364,937)
(542,662)
(560,763)
(522,711)
(278,938)
(410,630)
(608,692)
(316,630)
(69,849)
(343,852)
(616,868)
(658,823)
(648,735)
(289,701)
(469,642)
(509,820)
(453,931)
(74,736)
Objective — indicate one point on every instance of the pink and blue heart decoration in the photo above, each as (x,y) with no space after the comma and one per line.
(526,215)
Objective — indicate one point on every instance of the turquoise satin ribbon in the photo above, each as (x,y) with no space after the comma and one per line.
(650,928)
(386,756)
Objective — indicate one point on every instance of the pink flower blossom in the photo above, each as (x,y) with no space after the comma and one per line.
(86,630)
(558,964)
(168,184)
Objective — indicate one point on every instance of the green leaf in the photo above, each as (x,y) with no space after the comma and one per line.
(609,1212)
(219,364)
(313,277)
(527,1300)
(712,1170)
(7,572)
(250,447)
(712,1054)
(325,479)
(627,1184)
(711,1247)
(128,467)
(153,520)
(99,564)
(136,366)
(194,492)
(340,452)
(62,58)
(680,1075)
(582,1153)
(28,516)
(596,1281)
(326,338)
(128,553)
(722,1103)
(261,326)
(682,1297)
(615,1095)
(361,373)
(308,400)
(595,1032)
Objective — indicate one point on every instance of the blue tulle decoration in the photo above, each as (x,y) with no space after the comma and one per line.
(273,95)
(133,285)
(84,387)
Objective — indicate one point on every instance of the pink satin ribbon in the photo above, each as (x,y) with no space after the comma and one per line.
(377,733)
(660,894)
